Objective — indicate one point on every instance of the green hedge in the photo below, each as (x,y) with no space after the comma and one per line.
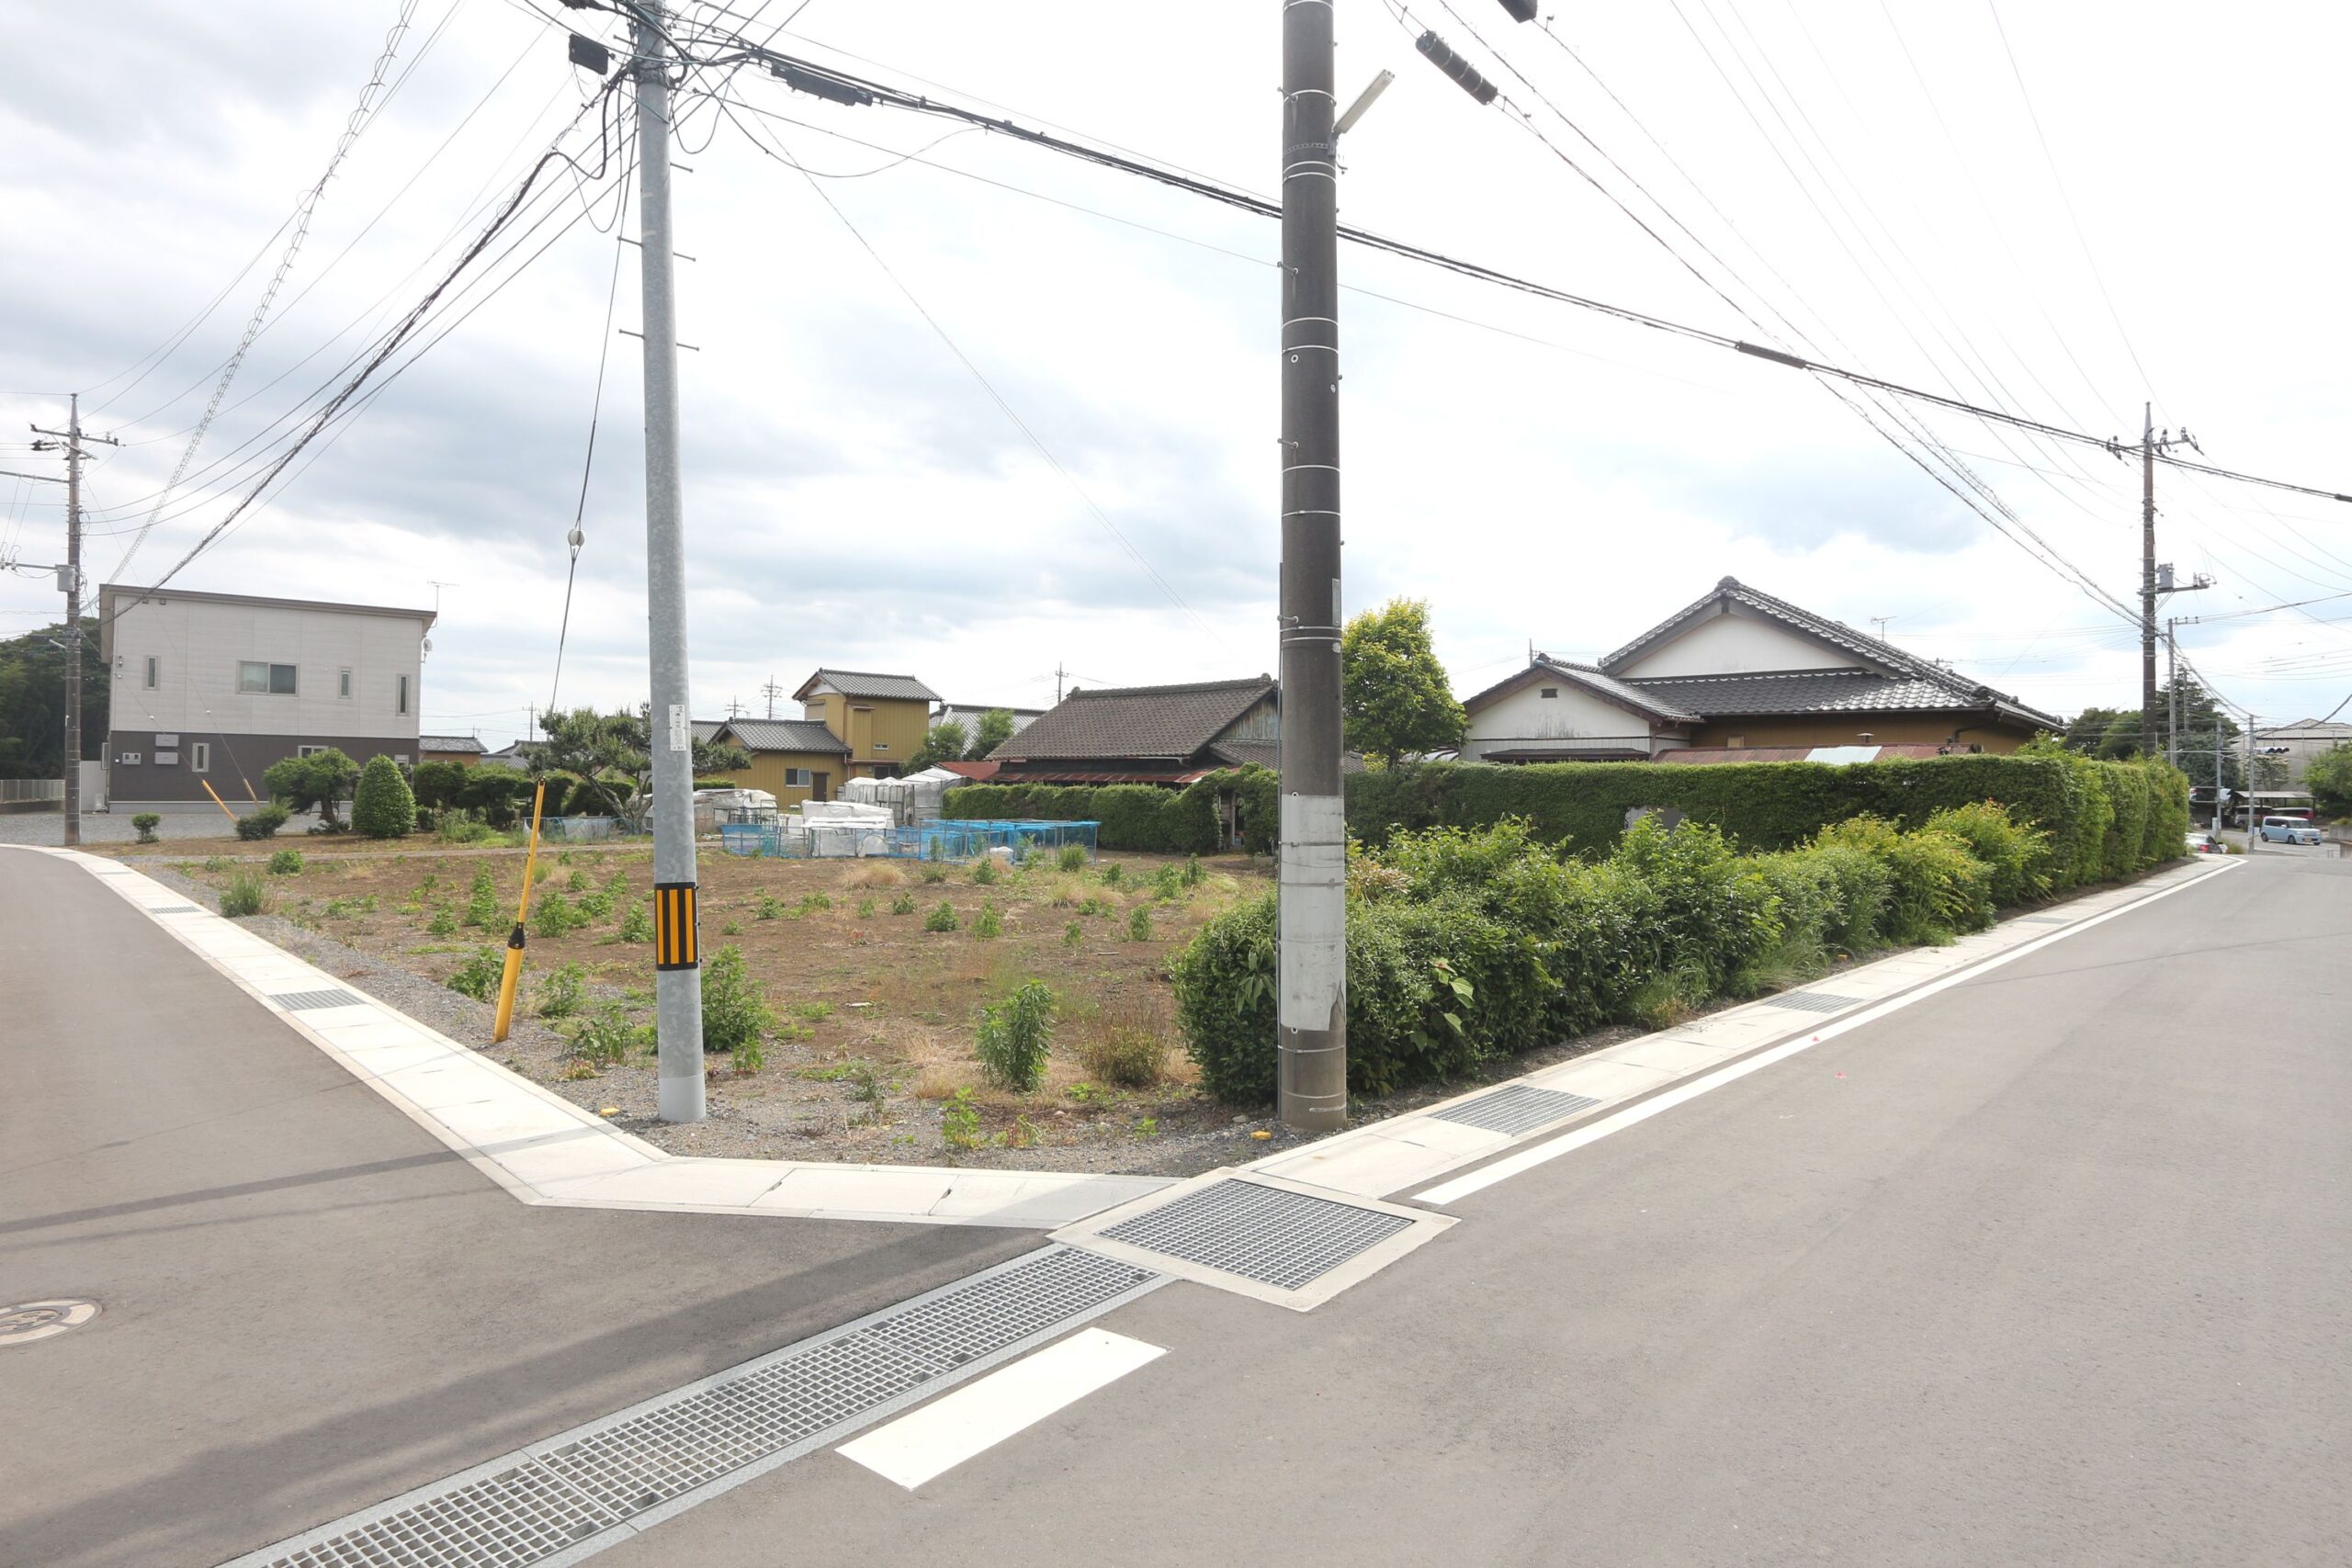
(1147,817)
(2102,820)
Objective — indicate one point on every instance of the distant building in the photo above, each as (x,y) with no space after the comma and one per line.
(212,688)
(2303,740)
(792,759)
(466,750)
(1741,671)
(1164,734)
(880,718)
(969,715)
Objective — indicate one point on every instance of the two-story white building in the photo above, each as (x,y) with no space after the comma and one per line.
(212,688)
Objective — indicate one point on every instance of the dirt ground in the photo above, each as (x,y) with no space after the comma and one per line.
(871,1055)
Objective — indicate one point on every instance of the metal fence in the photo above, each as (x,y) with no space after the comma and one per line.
(945,842)
(15,791)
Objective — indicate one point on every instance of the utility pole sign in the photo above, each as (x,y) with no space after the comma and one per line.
(70,578)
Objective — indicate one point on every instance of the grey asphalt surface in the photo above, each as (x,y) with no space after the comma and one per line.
(2048,1267)
(309,1304)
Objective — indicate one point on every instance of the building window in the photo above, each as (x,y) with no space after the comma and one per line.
(881,746)
(256,676)
(342,684)
(199,757)
(155,671)
(309,751)
(795,778)
(404,704)
(401,758)
(1551,690)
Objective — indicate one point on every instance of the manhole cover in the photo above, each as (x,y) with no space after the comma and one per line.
(28,1321)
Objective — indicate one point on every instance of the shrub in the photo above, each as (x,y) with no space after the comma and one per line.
(562,991)
(604,1039)
(769,907)
(444,921)
(959,1121)
(1015,1035)
(734,1012)
(435,784)
(637,925)
(1936,887)
(553,914)
(1112,874)
(2012,852)
(812,902)
(1071,857)
(1073,934)
(481,903)
(479,975)
(382,807)
(245,894)
(941,918)
(459,825)
(497,797)
(1167,882)
(1126,1049)
(1717,912)
(1139,923)
(261,822)
(145,823)
(989,925)
(286,863)
(320,779)
(984,871)
(904,904)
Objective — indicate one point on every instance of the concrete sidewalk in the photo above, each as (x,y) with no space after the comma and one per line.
(308,1302)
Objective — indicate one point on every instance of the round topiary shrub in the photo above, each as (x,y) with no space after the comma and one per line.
(383,807)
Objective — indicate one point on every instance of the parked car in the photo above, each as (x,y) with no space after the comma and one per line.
(2289,830)
(2203,843)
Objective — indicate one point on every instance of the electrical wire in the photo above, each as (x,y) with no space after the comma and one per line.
(588,462)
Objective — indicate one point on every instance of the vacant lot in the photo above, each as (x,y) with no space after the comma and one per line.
(870,1056)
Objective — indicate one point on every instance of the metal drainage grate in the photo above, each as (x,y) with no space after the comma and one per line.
(1284,1239)
(298,1000)
(1813,1001)
(174,910)
(534,1505)
(1517,1108)
(28,1321)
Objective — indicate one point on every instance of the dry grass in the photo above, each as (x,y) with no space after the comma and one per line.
(874,874)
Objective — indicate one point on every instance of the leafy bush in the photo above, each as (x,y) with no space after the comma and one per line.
(1130,1052)
(497,797)
(988,925)
(286,863)
(145,823)
(959,1121)
(1073,934)
(460,825)
(479,975)
(941,918)
(904,904)
(444,921)
(605,1038)
(637,925)
(247,894)
(1071,857)
(562,991)
(1716,913)
(734,1012)
(1112,874)
(261,822)
(1014,1036)
(984,871)
(437,784)
(769,907)
(319,781)
(1936,889)
(1139,923)
(2014,854)
(481,903)
(553,914)
(382,807)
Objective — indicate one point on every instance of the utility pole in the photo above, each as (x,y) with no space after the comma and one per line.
(772,690)
(2154,582)
(1058,683)
(70,577)
(677,953)
(1311,990)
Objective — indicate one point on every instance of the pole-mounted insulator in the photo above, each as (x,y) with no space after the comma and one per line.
(1465,75)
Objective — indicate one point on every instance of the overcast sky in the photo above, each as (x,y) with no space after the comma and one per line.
(862,487)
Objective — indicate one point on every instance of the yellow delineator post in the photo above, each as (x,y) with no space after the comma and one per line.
(219,802)
(514,971)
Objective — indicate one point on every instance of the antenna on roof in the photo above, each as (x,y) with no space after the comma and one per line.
(1879,622)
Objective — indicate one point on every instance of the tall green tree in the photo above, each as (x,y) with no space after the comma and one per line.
(33,700)
(382,807)
(993,730)
(2329,778)
(942,743)
(612,753)
(1393,692)
(320,781)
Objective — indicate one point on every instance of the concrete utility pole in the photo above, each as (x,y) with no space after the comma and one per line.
(70,577)
(1311,983)
(2154,582)
(677,952)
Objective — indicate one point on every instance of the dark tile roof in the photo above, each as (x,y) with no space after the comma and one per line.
(1704,754)
(1174,722)
(785,735)
(1911,682)
(1591,679)
(868,683)
(450,743)
(705,730)
(1799,692)
(1268,754)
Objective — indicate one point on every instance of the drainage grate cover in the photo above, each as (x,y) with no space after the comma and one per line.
(1813,1001)
(28,1321)
(1277,1237)
(556,1497)
(298,1000)
(1517,1108)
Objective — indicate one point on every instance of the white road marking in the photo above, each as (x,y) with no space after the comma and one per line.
(981,1415)
(1569,1143)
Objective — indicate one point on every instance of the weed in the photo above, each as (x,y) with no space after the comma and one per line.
(734,1013)
(875,875)
(815,1012)
(1094,907)
(1015,1034)
(578,880)
(429,886)
(1195,875)
(1125,1046)
(478,977)
(1168,883)
(1073,934)
(732,928)
(350,908)
(1139,923)
(245,894)
(811,903)
(935,873)
(482,904)
(865,909)
(1144,1127)
(638,924)
(562,991)
(959,1121)
(565,857)
(1112,874)
(769,907)
(750,1055)
(604,1039)
(444,921)
(904,904)
(1071,857)
(554,914)
(1023,1135)
(596,905)
(943,918)
(217,862)
(1084,1093)
(989,925)
(286,863)
(984,872)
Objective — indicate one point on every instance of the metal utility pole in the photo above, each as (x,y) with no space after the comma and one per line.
(677,953)
(1311,990)
(70,578)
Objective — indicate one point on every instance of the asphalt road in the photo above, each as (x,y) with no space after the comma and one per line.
(2048,1267)
(309,1304)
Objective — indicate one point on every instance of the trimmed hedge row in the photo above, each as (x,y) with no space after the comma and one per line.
(2103,819)
(1145,817)
(1465,945)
